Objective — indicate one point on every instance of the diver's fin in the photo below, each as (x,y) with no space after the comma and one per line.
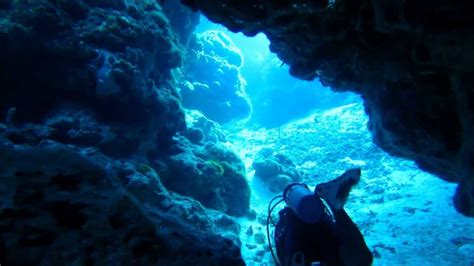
(336,191)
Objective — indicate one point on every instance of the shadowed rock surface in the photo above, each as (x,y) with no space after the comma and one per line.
(88,96)
(412,62)
(63,205)
(99,57)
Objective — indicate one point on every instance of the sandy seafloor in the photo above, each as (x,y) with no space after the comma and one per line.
(406,215)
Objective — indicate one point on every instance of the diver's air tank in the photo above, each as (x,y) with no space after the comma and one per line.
(305,204)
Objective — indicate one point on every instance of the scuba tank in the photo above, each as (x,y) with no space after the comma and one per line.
(307,207)
(314,229)
(304,207)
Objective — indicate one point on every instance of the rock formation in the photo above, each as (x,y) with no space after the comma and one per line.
(203,168)
(62,204)
(276,170)
(215,86)
(87,102)
(411,61)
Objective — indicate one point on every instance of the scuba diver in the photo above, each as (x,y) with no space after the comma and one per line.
(314,229)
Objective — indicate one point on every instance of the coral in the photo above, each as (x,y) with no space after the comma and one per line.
(266,168)
(209,173)
(144,169)
(276,170)
(195,135)
(212,131)
(97,59)
(217,167)
(91,88)
(215,86)
(62,204)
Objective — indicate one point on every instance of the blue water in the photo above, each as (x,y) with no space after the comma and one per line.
(277,97)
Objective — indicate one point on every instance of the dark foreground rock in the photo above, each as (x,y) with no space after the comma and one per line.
(412,62)
(108,58)
(64,205)
(87,95)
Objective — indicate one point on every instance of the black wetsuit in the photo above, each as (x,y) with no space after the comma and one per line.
(338,243)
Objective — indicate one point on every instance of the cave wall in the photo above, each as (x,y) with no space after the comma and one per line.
(112,59)
(89,112)
(411,61)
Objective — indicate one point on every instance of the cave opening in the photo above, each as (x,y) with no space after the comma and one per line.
(289,130)
(275,97)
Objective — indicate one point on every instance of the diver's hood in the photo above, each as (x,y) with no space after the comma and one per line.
(336,191)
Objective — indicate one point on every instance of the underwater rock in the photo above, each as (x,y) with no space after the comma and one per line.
(212,131)
(61,204)
(182,20)
(209,173)
(279,183)
(251,215)
(249,231)
(227,224)
(266,168)
(412,63)
(87,96)
(195,135)
(92,56)
(260,238)
(276,170)
(215,86)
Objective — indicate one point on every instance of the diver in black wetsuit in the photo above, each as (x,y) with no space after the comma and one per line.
(314,229)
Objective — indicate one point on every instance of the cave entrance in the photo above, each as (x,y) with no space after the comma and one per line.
(242,79)
(288,130)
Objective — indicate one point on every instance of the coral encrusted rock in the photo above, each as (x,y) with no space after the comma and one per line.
(182,20)
(208,172)
(87,94)
(215,86)
(276,170)
(112,59)
(211,130)
(63,205)
(411,61)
